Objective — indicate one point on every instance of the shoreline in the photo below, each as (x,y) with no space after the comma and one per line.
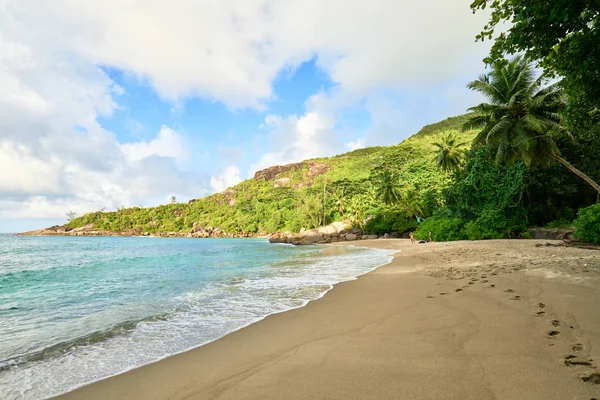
(304,304)
(259,360)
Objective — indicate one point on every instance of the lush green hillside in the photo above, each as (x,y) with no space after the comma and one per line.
(279,199)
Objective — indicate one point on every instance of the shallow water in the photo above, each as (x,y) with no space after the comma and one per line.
(74,310)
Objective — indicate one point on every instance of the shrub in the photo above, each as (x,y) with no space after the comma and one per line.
(390,221)
(493,224)
(443,228)
(587,224)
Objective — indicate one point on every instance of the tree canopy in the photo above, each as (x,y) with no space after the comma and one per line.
(563,35)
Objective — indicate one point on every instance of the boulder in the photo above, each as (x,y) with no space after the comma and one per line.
(328,230)
(281,182)
(386,236)
(83,228)
(340,226)
(551,234)
(351,236)
(369,237)
(355,231)
(395,235)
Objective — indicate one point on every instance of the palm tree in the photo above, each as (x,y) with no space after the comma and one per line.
(520,117)
(411,201)
(356,213)
(340,201)
(450,152)
(388,190)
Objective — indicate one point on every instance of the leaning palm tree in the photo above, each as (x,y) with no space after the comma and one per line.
(388,189)
(520,117)
(450,151)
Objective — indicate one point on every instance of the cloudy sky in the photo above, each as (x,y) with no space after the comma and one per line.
(109,103)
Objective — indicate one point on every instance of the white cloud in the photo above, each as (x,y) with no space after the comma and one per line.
(55,155)
(296,138)
(168,143)
(232,50)
(230,176)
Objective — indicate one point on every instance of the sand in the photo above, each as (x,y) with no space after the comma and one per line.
(462,320)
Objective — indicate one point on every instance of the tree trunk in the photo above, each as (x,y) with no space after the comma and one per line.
(577,172)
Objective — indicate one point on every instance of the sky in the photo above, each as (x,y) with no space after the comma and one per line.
(111,103)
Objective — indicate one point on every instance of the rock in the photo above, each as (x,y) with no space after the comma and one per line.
(369,237)
(355,231)
(340,226)
(281,182)
(351,236)
(83,228)
(270,173)
(335,235)
(395,235)
(551,234)
(329,229)
(386,236)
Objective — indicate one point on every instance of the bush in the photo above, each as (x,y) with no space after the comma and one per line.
(390,221)
(493,224)
(443,228)
(587,224)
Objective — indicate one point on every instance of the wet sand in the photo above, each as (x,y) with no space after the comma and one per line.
(462,320)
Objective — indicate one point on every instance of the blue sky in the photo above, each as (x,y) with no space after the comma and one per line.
(105,106)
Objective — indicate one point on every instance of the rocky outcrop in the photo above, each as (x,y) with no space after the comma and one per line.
(551,233)
(197,231)
(270,173)
(281,182)
(336,232)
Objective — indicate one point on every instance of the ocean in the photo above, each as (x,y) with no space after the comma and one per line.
(74,310)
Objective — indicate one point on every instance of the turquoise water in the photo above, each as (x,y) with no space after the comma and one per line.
(74,310)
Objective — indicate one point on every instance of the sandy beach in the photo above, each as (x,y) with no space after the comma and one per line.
(462,320)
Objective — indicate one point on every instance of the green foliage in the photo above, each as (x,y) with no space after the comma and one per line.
(390,221)
(444,228)
(451,151)
(520,115)
(562,34)
(587,224)
(350,185)
(388,188)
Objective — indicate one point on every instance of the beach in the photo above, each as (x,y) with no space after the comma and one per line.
(509,319)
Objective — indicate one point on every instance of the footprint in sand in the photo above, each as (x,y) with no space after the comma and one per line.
(556,322)
(541,305)
(516,298)
(443,293)
(572,361)
(553,334)
(577,347)
(593,378)
(430,297)
(484,281)
(509,291)
(458,290)
(540,313)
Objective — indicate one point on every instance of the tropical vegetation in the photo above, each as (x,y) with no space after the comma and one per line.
(528,156)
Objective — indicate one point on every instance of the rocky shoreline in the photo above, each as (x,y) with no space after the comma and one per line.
(335,232)
(196,232)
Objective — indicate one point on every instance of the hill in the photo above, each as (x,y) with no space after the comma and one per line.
(300,195)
